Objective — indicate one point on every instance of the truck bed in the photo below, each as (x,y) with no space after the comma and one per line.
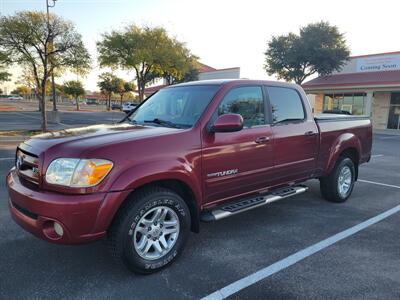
(335,128)
(337,117)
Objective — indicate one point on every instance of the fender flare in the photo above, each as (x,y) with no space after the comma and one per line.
(342,143)
(143,174)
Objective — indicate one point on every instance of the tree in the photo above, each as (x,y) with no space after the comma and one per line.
(4,75)
(74,88)
(25,38)
(108,84)
(191,74)
(319,48)
(149,52)
(21,90)
(124,87)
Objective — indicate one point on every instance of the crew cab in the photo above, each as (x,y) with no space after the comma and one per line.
(192,152)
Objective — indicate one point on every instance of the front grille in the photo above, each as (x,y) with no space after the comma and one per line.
(25,211)
(27,165)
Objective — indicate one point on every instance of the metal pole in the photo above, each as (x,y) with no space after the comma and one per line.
(53,86)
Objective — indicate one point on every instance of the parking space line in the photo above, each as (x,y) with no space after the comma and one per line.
(379,183)
(7,158)
(376,155)
(296,257)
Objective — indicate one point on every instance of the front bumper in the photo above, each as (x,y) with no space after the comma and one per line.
(36,211)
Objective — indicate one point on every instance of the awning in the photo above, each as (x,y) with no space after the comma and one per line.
(362,79)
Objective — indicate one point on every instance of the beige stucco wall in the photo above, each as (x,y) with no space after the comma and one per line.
(380,109)
(319,103)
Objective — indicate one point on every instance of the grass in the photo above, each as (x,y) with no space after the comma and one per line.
(19,133)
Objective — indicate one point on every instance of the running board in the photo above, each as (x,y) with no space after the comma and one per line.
(233,208)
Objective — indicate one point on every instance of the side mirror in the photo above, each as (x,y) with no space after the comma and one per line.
(228,123)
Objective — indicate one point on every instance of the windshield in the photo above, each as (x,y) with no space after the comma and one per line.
(175,107)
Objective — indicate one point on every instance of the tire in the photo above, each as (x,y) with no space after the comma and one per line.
(330,186)
(134,225)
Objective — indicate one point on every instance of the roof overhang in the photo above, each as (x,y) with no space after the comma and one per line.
(352,81)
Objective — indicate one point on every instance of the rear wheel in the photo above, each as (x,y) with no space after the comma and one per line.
(338,185)
(150,231)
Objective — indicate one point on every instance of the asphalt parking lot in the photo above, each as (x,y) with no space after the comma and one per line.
(364,265)
(14,120)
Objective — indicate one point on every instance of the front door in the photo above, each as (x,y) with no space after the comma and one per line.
(236,163)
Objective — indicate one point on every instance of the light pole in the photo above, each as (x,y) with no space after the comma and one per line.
(53,86)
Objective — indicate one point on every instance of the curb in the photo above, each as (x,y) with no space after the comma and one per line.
(17,138)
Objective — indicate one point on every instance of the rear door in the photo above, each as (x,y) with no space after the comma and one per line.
(295,135)
(235,163)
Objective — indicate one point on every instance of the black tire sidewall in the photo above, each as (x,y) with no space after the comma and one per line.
(130,257)
(344,162)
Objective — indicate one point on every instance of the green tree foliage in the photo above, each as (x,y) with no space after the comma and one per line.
(190,72)
(109,84)
(149,52)
(319,48)
(123,88)
(74,88)
(21,90)
(25,37)
(4,75)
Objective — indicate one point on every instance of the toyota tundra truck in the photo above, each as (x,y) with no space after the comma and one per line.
(192,152)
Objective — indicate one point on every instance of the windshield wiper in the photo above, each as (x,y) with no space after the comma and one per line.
(162,122)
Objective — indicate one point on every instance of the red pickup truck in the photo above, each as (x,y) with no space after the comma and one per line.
(192,152)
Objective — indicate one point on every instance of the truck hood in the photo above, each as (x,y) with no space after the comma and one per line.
(85,138)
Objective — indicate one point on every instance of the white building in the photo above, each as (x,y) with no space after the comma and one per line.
(366,85)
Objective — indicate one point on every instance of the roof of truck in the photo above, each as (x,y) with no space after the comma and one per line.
(239,81)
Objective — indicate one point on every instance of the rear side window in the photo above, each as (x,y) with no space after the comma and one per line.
(286,104)
(247,102)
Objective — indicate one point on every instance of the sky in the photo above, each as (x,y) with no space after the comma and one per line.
(228,33)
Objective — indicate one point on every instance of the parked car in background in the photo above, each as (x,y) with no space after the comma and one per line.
(199,151)
(127,107)
(90,101)
(15,97)
(116,106)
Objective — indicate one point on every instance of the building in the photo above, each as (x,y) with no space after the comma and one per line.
(366,85)
(205,73)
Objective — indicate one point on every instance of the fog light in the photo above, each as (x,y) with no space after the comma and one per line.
(58,229)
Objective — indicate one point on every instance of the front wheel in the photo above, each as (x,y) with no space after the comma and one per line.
(339,184)
(150,230)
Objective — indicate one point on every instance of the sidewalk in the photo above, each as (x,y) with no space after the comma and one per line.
(387,131)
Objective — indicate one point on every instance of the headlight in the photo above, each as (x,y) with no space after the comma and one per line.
(75,172)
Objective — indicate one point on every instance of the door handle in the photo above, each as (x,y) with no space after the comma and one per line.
(310,133)
(262,139)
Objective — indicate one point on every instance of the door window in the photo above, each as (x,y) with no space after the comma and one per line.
(247,102)
(286,104)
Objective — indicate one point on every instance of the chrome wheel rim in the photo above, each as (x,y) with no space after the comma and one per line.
(344,181)
(156,233)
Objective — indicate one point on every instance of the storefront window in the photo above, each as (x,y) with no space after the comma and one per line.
(351,102)
(337,101)
(394,112)
(328,102)
(347,103)
(358,106)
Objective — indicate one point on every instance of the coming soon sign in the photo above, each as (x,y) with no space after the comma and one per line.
(378,63)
